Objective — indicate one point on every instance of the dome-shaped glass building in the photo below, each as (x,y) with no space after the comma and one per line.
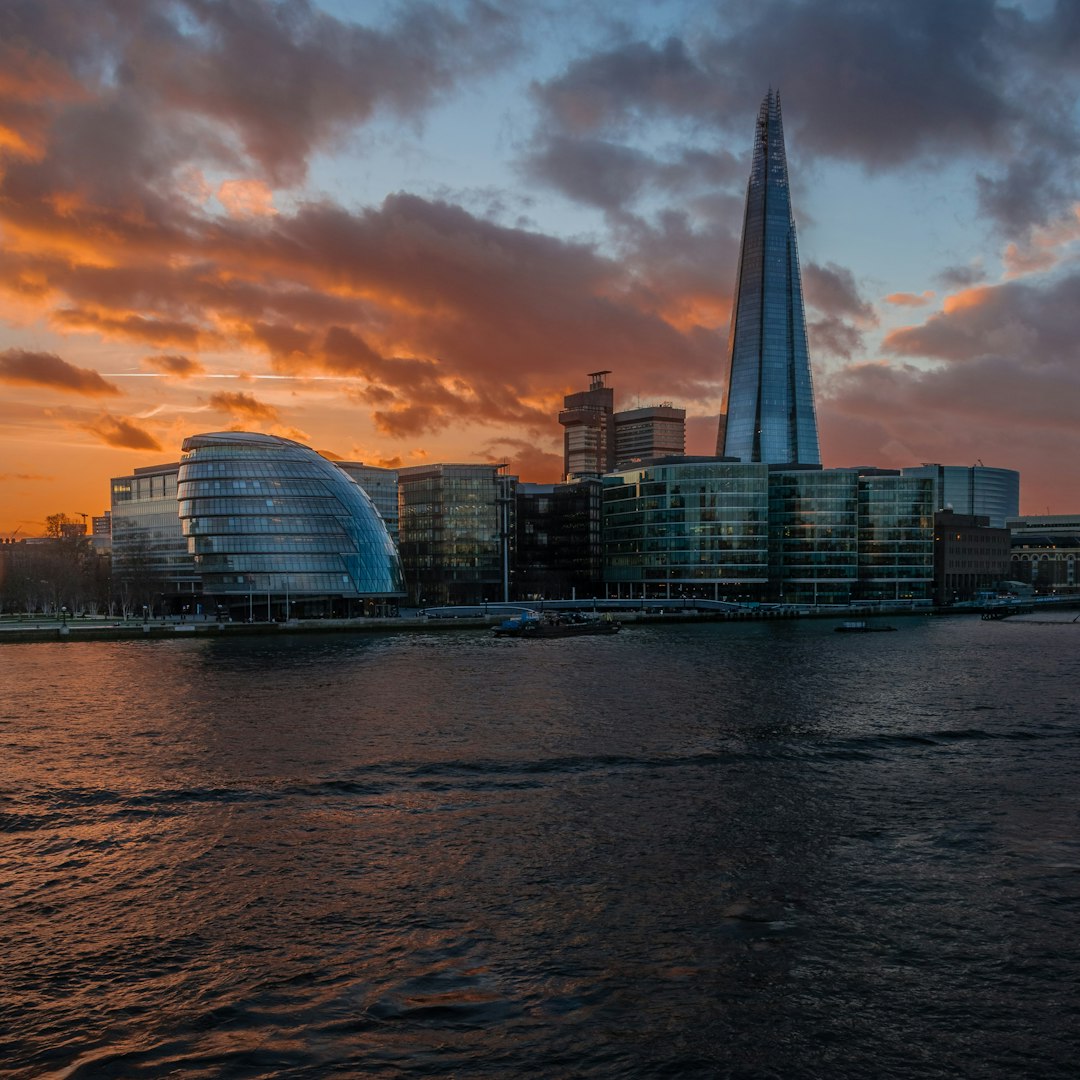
(278,531)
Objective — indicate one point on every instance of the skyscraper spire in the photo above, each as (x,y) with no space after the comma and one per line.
(770,400)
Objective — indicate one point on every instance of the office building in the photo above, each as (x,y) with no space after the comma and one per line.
(973,490)
(278,531)
(558,544)
(837,535)
(151,564)
(455,525)
(101,532)
(588,439)
(769,411)
(969,556)
(896,537)
(813,535)
(654,431)
(687,527)
(381,485)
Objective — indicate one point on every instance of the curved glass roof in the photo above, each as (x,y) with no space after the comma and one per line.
(267,514)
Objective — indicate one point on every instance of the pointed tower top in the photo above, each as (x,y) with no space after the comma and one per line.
(770,413)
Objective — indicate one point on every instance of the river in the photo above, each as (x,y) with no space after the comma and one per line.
(722,850)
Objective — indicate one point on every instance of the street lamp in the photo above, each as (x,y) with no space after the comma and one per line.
(63,616)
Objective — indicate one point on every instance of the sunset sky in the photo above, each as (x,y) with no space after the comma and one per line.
(401,232)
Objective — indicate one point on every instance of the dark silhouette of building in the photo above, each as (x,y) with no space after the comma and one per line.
(969,555)
(558,543)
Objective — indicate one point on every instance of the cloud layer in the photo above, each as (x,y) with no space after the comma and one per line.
(164,196)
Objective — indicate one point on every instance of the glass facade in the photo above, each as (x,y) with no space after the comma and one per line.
(813,535)
(558,550)
(151,564)
(836,535)
(974,489)
(279,530)
(454,524)
(381,485)
(770,404)
(687,528)
(896,538)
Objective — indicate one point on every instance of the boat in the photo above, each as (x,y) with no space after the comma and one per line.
(551,624)
(861,626)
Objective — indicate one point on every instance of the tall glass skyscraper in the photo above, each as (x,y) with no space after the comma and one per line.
(770,404)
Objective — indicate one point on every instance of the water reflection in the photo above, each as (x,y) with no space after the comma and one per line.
(689,851)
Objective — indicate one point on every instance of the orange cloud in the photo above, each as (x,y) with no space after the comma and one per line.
(120,432)
(1043,248)
(967,298)
(241,405)
(246,199)
(523,459)
(23,368)
(906,299)
(183,367)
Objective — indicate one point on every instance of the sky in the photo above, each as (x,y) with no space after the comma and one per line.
(401,232)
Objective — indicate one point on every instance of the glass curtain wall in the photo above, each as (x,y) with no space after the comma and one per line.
(693,529)
(813,535)
(153,571)
(278,531)
(770,404)
(454,525)
(896,538)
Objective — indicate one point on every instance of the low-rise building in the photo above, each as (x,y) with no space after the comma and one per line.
(969,556)
(1045,551)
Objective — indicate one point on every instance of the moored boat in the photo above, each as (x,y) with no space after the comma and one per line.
(550,624)
(861,626)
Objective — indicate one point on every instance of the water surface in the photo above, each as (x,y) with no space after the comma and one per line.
(746,850)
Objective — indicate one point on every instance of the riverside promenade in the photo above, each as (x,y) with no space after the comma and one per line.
(30,628)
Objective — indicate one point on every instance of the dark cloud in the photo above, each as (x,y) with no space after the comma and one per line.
(613,175)
(604,91)
(23,368)
(831,336)
(284,78)
(120,432)
(182,367)
(882,84)
(961,277)
(832,290)
(1031,326)
(242,406)
(1030,191)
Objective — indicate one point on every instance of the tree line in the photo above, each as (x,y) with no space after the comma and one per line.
(61,571)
